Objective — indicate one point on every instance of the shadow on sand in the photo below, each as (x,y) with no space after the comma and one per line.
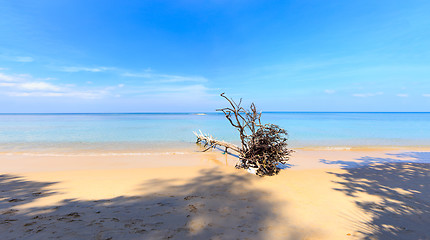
(402,185)
(214,205)
(17,191)
(413,157)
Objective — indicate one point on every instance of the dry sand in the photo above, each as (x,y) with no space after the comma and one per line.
(356,194)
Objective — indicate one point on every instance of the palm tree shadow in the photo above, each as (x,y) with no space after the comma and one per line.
(401,184)
(213,205)
(14,190)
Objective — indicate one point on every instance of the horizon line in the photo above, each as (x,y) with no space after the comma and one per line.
(214,112)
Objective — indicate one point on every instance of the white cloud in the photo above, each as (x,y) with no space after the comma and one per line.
(85,69)
(157,86)
(13,78)
(329,91)
(177,93)
(367,94)
(79,94)
(39,86)
(402,95)
(22,59)
(24,85)
(167,87)
(138,75)
(6,78)
(3,84)
(426,95)
(198,88)
(165,78)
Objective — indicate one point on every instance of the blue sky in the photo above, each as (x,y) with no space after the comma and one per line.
(178,56)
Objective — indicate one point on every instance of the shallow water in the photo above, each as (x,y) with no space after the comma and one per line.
(139,132)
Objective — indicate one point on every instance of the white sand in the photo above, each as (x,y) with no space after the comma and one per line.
(201,196)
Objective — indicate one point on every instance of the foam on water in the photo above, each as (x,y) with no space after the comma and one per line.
(77,154)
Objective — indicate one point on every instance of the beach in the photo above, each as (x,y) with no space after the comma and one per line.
(215,120)
(141,176)
(325,193)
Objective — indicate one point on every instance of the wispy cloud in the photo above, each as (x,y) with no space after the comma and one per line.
(175,94)
(367,94)
(6,84)
(330,91)
(164,78)
(85,69)
(13,78)
(67,93)
(148,74)
(156,86)
(195,88)
(168,87)
(402,95)
(39,86)
(426,95)
(22,59)
(24,85)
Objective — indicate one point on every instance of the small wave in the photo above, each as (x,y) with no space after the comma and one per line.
(91,154)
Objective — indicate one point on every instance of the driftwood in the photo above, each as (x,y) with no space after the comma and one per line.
(263,146)
(210,142)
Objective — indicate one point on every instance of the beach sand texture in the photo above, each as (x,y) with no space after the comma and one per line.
(362,194)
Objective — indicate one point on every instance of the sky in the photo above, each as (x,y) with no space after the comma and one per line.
(178,56)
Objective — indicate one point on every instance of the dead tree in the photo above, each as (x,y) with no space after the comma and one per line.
(210,142)
(263,146)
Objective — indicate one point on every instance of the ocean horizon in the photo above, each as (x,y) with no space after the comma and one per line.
(190,113)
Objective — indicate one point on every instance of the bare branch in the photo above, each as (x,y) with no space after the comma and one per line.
(264,146)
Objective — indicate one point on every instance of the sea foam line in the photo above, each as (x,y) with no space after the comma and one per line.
(91,154)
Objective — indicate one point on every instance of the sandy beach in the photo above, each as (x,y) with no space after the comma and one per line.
(126,120)
(324,194)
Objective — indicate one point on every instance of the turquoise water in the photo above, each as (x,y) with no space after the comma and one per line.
(134,131)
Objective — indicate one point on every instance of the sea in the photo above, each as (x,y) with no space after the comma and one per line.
(140,132)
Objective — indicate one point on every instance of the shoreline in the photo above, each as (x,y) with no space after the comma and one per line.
(308,158)
(144,147)
(305,158)
(93,149)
